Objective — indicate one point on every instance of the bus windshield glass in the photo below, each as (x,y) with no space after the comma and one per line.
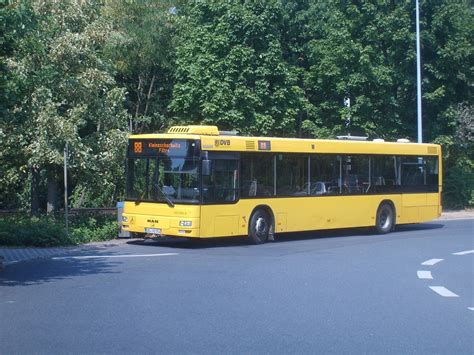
(163,171)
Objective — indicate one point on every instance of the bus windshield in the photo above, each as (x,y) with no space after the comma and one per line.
(163,171)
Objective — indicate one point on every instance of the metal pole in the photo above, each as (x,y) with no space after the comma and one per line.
(418,72)
(65,190)
(347,103)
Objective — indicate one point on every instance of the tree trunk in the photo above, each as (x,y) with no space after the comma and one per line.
(35,180)
(52,203)
(298,123)
(139,96)
(81,199)
(148,97)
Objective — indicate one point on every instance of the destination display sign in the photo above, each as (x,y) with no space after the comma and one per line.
(163,147)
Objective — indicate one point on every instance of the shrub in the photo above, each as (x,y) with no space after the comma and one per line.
(458,189)
(94,231)
(47,231)
(24,231)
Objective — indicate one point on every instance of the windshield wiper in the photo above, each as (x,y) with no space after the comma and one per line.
(163,195)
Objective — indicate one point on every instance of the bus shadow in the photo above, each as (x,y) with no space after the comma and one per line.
(183,243)
(223,242)
(352,232)
(39,271)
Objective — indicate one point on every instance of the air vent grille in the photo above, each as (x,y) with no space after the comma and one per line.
(178,129)
(250,145)
(205,130)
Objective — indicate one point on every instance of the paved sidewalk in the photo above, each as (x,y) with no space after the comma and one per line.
(10,256)
(464,214)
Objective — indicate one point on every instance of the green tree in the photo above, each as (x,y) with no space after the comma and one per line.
(141,47)
(365,51)
(362,51)
(15,22)
(448,64)
(66,94)
(230,68)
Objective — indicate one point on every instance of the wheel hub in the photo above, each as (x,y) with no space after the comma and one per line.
(384,219)
(261,225)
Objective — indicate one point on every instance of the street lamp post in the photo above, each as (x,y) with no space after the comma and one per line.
(66,217)
(418,72)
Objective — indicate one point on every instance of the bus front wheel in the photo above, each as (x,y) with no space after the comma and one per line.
(260,227)
(385,219)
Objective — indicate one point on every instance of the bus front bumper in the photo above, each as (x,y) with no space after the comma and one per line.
(159,225)
(155,232)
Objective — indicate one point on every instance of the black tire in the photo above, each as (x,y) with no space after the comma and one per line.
(385,218)
(259,227)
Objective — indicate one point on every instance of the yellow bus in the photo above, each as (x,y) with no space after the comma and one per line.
(197,182)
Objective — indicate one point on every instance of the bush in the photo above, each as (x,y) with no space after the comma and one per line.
(48,231)
(458,189)
(94,230)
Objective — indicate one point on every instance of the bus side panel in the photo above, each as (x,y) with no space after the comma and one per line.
(225,220)
(326,212)
(431,210)
(331,212)
(312,213)
(418,208)
(295,214)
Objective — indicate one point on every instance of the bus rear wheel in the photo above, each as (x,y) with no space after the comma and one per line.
(385,219)
(260,227)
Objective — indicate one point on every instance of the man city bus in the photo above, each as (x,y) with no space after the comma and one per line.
(197,182)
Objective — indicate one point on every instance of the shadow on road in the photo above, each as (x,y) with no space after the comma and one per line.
(183,243)
(29,273)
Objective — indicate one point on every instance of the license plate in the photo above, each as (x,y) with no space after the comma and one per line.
(153,230)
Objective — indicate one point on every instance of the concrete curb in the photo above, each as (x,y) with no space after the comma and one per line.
(454,219)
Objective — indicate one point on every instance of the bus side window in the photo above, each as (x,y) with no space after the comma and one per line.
(432,173)
(222,184)
(324,174)
(383,173)
(413,171)
(256,175)
(355,174)
(291,175)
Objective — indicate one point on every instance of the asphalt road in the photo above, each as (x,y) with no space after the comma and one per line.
(345,291)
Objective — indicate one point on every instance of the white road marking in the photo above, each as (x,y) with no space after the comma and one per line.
(431,262)
(443,291)
(111,256)
(471,308)
(464,252)
(422,274)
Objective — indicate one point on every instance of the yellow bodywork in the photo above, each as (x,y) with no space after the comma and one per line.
(290,213)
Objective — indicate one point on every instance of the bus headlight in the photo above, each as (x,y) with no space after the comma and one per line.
(185,223)
(124,219)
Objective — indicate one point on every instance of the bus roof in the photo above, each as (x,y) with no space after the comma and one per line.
(212,140)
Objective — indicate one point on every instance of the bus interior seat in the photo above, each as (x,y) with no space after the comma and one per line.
(379,181)
(319,188)
(253,188)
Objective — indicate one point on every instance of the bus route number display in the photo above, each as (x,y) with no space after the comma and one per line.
(169,147)
(164,148)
